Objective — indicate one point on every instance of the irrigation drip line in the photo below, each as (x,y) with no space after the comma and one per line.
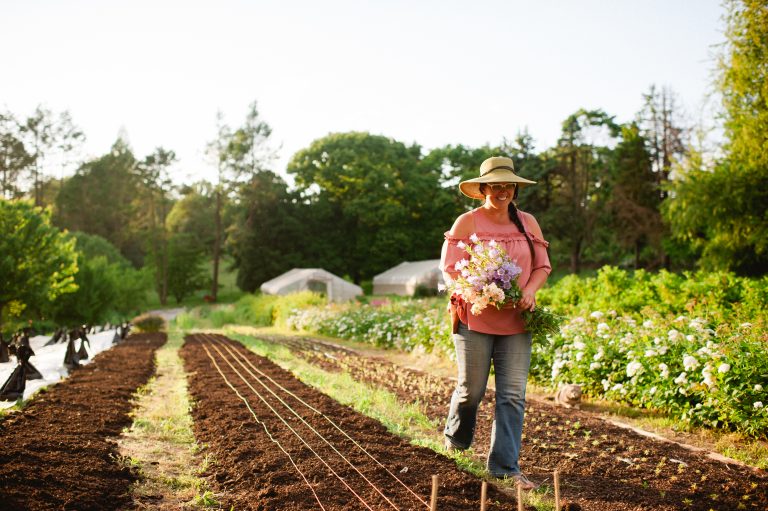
(290,428)
(328,419)
(266,430)
(216,343)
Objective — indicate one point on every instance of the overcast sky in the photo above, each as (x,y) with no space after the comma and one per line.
(429,72)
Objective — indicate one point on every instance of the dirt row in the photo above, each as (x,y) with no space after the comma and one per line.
(264,463)
(59,453)
(604,467)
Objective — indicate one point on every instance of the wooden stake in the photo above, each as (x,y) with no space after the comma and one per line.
(433,501)
(520,506)
(483,495)
(557,490)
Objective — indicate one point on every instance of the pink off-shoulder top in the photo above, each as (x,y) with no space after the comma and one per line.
(493,320)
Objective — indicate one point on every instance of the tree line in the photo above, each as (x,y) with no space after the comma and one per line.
(637,194)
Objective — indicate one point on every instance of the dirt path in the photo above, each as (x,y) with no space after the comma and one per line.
(324,457)
(605,467)
(59,452)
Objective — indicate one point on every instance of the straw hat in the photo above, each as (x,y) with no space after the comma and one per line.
(496,169)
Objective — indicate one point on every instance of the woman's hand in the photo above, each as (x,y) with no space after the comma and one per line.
(528,300)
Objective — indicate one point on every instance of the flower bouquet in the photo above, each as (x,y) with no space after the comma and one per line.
(489,277)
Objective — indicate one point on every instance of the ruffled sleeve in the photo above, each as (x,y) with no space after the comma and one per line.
(452,253)
(541,259)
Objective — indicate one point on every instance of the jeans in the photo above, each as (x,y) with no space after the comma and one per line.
(511,355)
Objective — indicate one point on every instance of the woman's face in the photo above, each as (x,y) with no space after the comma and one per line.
(499,195)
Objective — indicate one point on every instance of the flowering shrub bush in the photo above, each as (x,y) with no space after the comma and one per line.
(678,365)
(408,325)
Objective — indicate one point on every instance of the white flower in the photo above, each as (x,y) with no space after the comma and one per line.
(602,327)
(579,345)
(595,365)
(492,243)
(664,370)
(597,356)
(634,368)
(612,313)
(673,335)
(679,319)
(650,353)
(652,390)
(663,350)
(473,238)
(758,404)
(746,325)
(758,388)
(579,356)
(618,386)
(461,244)
(690,338)
(596,315)
(681,379)
(648,323)
(724,368)
(690,363)
(606,384)
(709,381)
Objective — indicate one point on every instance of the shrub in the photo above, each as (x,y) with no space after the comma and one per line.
(148,323)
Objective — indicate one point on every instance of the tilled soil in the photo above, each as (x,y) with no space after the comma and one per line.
(59,453)
(265,457)
(603,467)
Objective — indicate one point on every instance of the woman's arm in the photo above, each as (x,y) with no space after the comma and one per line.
(538,275)
(462,228)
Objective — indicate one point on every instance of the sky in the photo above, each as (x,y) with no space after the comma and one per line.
(419,71)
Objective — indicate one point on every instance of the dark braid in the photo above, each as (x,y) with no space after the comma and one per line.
(515,217)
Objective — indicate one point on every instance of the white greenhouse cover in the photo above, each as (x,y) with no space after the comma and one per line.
(403,278)
(49,360)
(312,279)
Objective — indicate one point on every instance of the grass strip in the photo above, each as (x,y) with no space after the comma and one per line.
(160,442)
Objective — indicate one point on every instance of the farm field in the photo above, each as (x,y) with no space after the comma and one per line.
(291,447)
(604,467)
(59,452)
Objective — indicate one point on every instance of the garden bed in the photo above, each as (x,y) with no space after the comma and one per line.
(604,467)
(59,452)
(261,461)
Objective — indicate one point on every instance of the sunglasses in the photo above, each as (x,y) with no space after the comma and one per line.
(497,187)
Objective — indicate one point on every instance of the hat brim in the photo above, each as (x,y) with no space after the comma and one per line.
(471,187)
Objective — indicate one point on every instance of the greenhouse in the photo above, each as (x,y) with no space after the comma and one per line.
(404,278)
(312,279)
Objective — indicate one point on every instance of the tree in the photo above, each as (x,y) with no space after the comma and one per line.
(186,266)
(104,198)
(578,176)
(108,287)
(37,261)
(379,199)
(14,157)
(634,200)
(239,156)
(154,173)
(45,133)
(193,215)
(723,212)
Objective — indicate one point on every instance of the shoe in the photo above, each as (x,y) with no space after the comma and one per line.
(524,482)
(452,448)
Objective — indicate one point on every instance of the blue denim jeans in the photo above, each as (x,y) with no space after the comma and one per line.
(511,356)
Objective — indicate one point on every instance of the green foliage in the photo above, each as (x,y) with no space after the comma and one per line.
(253,310)
(722,211)
(108,287)
(38,262)
(102,199)
(376,202)
(187,271)
(149,323)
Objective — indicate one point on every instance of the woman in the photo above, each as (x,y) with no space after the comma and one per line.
(495,335)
